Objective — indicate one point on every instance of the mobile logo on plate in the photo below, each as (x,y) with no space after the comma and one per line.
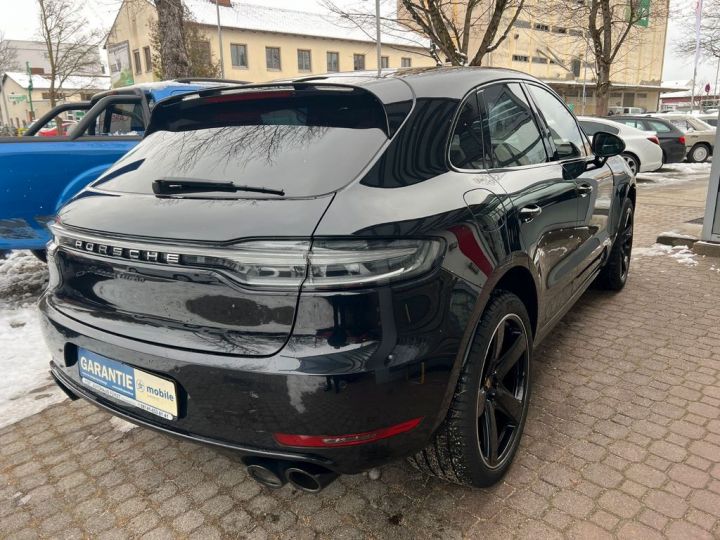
(133,386)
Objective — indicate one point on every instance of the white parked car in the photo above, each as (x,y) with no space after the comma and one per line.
(642,148)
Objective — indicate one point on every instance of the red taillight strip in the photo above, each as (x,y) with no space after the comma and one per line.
(333,441)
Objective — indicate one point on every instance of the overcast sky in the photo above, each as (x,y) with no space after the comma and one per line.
(18,20)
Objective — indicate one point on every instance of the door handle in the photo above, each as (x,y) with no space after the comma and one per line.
(584,190)
(530,212)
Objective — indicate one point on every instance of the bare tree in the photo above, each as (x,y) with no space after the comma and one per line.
(709,30)
(181,47)
(611,28)
(8,56)
(461,32)
(170,37)
(72,48)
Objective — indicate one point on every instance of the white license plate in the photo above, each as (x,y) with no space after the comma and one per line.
(128,384)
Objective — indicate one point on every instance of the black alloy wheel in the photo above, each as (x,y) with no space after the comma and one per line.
(614,274)
(477,442)
(503,390)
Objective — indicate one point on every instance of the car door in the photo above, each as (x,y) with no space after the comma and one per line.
(542,218)
(595,185)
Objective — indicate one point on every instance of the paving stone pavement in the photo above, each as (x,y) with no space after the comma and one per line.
(622,440)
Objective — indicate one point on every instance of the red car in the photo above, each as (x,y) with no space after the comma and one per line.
(52,129)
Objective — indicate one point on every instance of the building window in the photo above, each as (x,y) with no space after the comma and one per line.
(542,27)
(539,60)
(520,58)
(304,62)
(136,58)
(358,62)
(406,62)
(573,32)
(522,24)
(560,30)
(641,96)
(238,54)
(384,62)
(272,58)
(148,58)
(333,61)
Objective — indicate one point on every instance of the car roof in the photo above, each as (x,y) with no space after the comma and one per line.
(443,81)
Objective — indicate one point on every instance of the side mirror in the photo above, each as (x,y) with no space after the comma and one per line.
(605,145)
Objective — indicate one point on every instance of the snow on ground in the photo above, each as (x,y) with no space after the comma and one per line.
(26,387)
(675,173)
(681,254)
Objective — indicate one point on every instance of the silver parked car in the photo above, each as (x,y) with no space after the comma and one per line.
(699,135)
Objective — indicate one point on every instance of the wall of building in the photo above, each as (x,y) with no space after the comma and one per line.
(135,17)
(15,102)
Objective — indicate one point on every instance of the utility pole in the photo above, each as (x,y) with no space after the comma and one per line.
(30,89)
(715,89)
(698,21)
(584,91)
(222,62)
(377,37)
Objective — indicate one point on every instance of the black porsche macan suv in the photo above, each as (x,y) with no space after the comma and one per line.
(329,273)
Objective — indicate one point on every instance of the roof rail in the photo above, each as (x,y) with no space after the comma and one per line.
(208,79)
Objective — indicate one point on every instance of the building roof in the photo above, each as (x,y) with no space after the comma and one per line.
(78,82)
(246,16)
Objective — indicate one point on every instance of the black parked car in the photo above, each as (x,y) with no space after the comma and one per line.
(672,140)
(330,273)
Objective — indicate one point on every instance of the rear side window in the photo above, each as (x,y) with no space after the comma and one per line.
(467,150)
(659,127)
(637,124)
(591,128)
(514,137)
(117,120)
(305,143)
(564,131)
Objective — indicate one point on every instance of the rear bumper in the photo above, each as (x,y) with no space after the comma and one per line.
(239,403)
(675,153)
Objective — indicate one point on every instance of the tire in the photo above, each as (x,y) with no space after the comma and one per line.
(460,451)
(632,161)
(40,254)
(614,274)
(699,153)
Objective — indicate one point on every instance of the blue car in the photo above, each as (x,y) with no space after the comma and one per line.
(40,174)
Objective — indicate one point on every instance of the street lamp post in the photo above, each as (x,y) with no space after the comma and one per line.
(220,43)
(30,89)
(377,37)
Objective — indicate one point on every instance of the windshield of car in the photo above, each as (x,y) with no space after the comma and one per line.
(303,144)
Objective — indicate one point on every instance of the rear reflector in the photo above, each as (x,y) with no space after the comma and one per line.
(682,140)
(332,441)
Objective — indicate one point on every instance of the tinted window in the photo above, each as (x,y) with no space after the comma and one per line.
(466,144)
(591,128)
(680,123)
(712,121)
(659,127)
(303,142)
(514,137)
(563,128)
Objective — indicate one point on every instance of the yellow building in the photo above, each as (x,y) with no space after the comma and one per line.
(15,98)
(260,43)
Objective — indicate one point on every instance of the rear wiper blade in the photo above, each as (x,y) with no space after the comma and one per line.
(180,186)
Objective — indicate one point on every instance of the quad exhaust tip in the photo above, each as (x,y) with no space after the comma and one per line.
(274,474)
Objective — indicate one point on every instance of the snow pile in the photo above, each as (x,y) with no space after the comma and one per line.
(26,387)
(681,254)
(675,173)
(22,278)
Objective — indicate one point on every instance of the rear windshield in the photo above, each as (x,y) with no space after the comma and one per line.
(305,143)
